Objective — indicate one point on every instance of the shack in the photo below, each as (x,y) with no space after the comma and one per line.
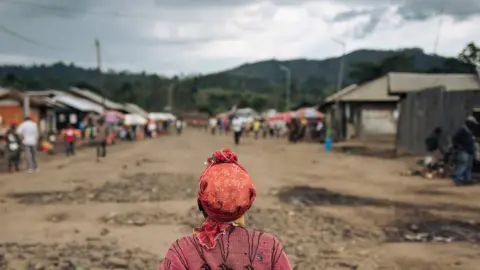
(364,111)
(97,99)
(69,109)
(439,100)
(41,110)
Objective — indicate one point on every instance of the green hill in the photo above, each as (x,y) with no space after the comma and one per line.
(260,84)
(327,69)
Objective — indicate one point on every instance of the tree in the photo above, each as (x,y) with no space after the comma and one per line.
(259,103)
(367,71)
(470,55)
(453,65)
(466,62)
(126,93)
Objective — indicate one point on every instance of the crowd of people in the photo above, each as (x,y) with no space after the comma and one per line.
(457,156)
(26,138)
(295,129)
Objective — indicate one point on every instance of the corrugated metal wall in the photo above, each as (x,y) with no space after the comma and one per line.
(423,111)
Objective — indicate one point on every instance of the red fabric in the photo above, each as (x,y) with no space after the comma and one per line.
(240,249)
(226,192)
(70,135)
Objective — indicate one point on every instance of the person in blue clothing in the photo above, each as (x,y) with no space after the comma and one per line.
(464,143)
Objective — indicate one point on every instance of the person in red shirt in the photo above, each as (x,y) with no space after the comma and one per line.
(225,193)
(70,137)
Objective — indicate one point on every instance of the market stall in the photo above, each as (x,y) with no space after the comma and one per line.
(136,123)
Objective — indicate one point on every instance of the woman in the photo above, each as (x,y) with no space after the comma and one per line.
(225,193)
(13,142)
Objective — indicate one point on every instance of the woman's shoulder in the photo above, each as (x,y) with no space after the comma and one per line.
(256,236)
(259,238)
(263,235)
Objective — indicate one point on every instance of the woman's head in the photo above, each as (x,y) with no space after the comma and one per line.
(226,191)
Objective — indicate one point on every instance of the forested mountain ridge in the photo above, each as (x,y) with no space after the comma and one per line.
(260,85)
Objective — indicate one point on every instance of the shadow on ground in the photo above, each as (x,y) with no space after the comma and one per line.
(133,188)
(305,195)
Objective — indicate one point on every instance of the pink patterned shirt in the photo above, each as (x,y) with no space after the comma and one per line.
(240,249)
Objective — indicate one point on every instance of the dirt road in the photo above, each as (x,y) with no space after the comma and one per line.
(331,210)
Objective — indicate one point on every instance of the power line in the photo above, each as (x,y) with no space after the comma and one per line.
(29,40)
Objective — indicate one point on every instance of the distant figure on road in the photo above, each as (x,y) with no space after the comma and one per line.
(28,130)
(179,126)
(256,128)
(237,129)
(225,194)
(101,139)
(220,126)
(13,148)
(70,137)
(213,125)
(464,143)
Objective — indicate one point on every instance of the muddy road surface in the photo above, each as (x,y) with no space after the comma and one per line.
(330,210)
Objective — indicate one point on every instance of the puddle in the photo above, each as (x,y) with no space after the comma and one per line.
(134,188)
(368,151)
(73,257)
(304,195)
(439,230)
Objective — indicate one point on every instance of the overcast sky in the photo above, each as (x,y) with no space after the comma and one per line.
(200,36)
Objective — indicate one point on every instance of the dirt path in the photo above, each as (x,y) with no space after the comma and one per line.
(331,211)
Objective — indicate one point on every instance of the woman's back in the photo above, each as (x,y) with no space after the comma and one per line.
(238,249)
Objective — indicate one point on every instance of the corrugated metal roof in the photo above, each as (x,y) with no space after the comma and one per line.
(50,92)
(18,95)
(97,98)
(133,108)
(4,91)
(408,82)
(340,93)
(79,104)
(375,90)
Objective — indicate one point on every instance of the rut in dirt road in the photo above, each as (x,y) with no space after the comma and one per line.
(134,188)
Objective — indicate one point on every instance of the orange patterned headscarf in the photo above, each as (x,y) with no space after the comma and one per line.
(225,192)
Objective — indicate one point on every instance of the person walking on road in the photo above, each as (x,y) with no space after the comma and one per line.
(28,130)
(237,129)
(70,137)
(13,148)
(464,142)
(213,125)
(101,138)
(179,126)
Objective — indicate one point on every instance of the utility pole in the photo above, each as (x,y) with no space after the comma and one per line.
(334,121)
(342,64)
(288,79)
(26,105)
(170,97)
(99,67)
(439,32)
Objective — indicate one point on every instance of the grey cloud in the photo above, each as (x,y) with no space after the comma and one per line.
(408,10)
(65,31)
(350,14)
(126,27)
(374,20)
(45,8)
(421,10)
